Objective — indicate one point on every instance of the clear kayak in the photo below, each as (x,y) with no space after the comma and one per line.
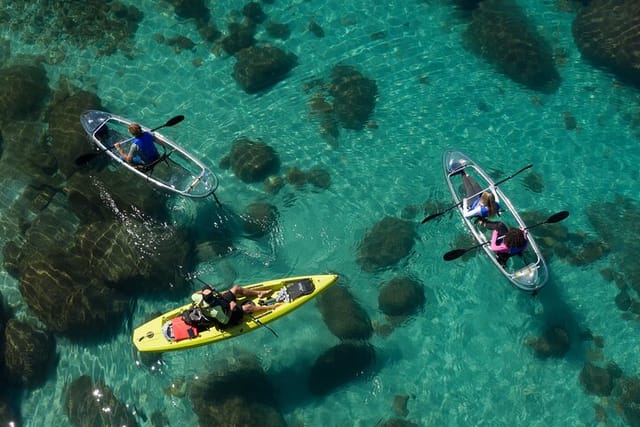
(165,332)
(176,171)
(528,272)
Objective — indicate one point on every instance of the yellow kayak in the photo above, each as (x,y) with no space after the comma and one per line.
(169,332)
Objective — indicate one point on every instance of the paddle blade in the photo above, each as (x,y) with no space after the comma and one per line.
(174,120)
(557,217)
(454,254)
(430,217)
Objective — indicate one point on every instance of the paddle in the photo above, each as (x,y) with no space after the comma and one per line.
(457,253)
(435,215)
(86,158)
(258,322)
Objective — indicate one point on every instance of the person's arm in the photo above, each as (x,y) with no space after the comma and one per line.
(126,157)
(477,211)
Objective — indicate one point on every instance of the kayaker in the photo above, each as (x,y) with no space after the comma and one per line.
(143,151)
(223,306)
(506,242)
(483,206)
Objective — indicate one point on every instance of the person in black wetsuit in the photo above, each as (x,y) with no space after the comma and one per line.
(224,308)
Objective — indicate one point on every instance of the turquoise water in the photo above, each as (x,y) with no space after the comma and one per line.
(462,361)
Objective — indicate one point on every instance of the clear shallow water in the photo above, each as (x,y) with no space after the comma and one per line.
(463,360)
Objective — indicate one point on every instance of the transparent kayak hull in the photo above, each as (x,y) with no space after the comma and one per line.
(528,272)
(178,172)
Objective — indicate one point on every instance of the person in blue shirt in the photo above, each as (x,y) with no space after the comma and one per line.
(483,203)
(143,151)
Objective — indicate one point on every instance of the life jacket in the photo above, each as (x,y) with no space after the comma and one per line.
(212,306)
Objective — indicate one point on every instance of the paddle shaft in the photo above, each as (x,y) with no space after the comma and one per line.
(457,253)
(219,295)
(435,215)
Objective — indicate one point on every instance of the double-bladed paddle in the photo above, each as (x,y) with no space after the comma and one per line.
(437,214)
(86,158)
(457,253)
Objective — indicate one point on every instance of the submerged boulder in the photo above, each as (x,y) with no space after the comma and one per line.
(259,68)
(342,314)
(401,296)
(354,96)
(501,33)
(596,380)
(68,139)
(28,352)
(70,305)
(554,343)
(607,32)
(386,243)
(259,219)
(25,88)
(253,161)
(237,393)
(89,402)
(339,365)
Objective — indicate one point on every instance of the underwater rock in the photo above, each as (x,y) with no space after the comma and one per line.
(501,33)
(278,30)
(627,392)
(81,308)
(316,29)
(623,300)
(109,26)
(386,243)
(11,254)
(113,194)
(533,181)
(180,43)
(296,177)
(354,96)
(120,261)
(319,177)
(401,296)
(342,314)
(192,9)
(239,37)
(259,68)
(27,353)
(339,365)
(273,184)
(90,403)
(627,246)
(596,380)
(25,88)
(400,405)
(253,161)
(254,13)
(68,139)
(237,393)
(607,32)
(555,342)
(259,218)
